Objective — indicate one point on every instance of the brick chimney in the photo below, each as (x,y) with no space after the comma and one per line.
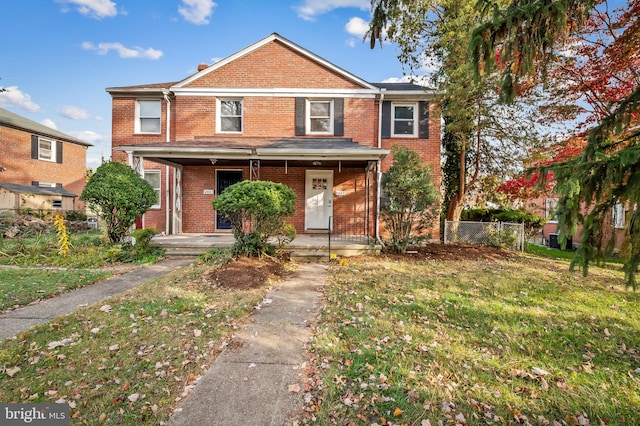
(202,67)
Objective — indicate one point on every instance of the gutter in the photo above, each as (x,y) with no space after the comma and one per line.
(166,175)
(379,167)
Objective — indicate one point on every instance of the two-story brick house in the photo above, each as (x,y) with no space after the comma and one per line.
(42,168)
(272,111)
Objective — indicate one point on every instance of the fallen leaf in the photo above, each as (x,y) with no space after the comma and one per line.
(295,388)
(134,397)
(13,371)
(115,347)
(397,412)
(425,422)
(105,308)
(102,417)
(539,371)
(197,333)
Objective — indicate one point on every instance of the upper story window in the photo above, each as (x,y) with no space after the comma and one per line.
(153,178)
(148,116)
(46,149)
(229,117)
(404,121)
(319,116)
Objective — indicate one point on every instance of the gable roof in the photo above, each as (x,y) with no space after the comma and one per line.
(38,190)
(297,48)
(9,119)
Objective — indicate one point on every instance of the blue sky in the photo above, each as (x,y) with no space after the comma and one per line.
(58,56)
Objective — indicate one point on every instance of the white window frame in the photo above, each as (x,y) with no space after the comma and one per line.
(51,149)
(308,117)
(219,115)
(415,107)
(618,216)
(139,117)
(551,205)
(158,189)
(47,185)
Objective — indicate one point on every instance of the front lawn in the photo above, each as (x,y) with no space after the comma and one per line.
(19,287)
(133,358)
(511,341)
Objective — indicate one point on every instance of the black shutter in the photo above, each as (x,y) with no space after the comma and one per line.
(35,183)
(59,152)
(34,147)
(58,185)
(300,119)
(386,120)
(338,117)
(423,120)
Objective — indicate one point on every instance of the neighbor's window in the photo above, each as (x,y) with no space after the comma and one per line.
(320,117)
(46,149)
(56,204)
(229,118)
(148,116)
(618,214)
(404,120)
(153,178)
(551,206)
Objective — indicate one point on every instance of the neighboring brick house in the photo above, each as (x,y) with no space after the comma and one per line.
(272,111)
(44,169)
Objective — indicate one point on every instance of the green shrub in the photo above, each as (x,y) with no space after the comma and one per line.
(75,215)
(258,211)
(502,239)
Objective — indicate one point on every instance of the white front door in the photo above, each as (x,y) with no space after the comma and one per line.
(319,199)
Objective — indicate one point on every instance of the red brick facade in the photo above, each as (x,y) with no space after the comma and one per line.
(270,78)
(22,169)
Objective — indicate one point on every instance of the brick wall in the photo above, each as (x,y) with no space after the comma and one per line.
(21,169)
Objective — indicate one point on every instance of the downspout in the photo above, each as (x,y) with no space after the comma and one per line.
(166,174)
(379,167)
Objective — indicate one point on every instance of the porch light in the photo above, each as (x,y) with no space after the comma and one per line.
(317,163)
(213,161)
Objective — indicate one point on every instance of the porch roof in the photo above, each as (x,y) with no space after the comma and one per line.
(205,150)
(37,190)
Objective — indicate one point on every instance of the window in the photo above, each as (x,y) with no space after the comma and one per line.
(618,216)
(404,121)
(56,204)
(551,206)
(320,117)
(153,178)
(229,117)
(46,149)
(148,116)
(47,185)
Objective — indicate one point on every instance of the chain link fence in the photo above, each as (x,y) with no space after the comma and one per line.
(495,234)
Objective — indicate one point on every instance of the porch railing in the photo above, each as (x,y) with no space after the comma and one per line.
(353,229)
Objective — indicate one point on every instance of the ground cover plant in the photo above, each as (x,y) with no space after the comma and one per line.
(474,340)
(133,358)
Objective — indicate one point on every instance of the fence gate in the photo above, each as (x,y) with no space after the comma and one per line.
(497,234)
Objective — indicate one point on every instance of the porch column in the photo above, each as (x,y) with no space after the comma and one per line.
(177,201)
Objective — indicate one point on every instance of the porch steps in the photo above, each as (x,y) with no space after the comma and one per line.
(302,249)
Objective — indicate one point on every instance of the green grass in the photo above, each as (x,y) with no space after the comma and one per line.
(507,342)
(130,359)
(19,287)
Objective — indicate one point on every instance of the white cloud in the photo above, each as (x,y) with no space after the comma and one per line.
(357,26)
(87,136)
(197,11)
(123,52)
(97,9)
(13,97)
(422,80)
(49,123)
(309,9)
(75,113)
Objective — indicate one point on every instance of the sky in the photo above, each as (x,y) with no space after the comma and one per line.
(57,57)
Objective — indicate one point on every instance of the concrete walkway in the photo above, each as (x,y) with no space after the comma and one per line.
(253,381)
(21,319)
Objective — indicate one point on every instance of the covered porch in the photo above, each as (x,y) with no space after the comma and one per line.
(336,181)
(305,247)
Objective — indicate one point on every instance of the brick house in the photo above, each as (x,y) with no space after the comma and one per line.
(272,111)
(41,168)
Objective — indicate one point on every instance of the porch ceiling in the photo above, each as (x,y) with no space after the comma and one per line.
(234,151)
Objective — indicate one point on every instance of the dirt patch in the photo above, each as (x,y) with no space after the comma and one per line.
(244,273)
(453,252)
